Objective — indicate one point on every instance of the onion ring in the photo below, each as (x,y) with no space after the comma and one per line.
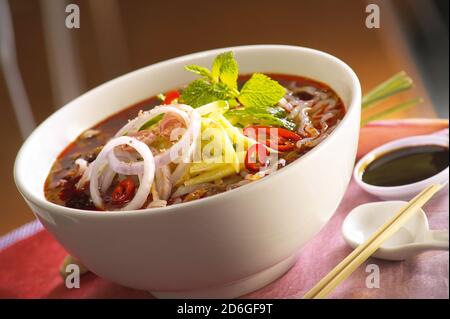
(192,120)
(147,176)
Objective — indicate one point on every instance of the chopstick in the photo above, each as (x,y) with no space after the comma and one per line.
(346,267)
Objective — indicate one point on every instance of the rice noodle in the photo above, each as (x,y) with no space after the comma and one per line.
(320,109)
(313,141)
(298,107)
(319,106)
(84,178)
(331,105)
(323,121)
(106,179)
(285,104)
(305,121)
(125,168)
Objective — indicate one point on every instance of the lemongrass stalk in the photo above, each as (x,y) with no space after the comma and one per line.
(393,109)
(396,84)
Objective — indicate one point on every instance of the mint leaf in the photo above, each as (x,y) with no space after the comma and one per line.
(252,115)
(225,69)
(201,92)
(261,90)
(221,84)
(200,70)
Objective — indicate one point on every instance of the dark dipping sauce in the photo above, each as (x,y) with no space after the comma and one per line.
(406,165)
(60,187)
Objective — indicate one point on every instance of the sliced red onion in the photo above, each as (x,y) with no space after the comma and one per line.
(82,165)
(106,179)
(120,167)
(196,125)
(147,176)
(143,117)
(98,173)
(84,178)
(162,182)
(189,139)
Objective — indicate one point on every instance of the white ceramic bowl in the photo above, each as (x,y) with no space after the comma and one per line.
(403,192)
(222,246)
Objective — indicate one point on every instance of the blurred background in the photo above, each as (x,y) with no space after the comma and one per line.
(44,64)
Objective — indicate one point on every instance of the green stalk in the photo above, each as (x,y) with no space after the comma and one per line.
(398,83)
(393,109)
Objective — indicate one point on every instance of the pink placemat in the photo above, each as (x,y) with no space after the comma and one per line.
(424,276)
(30,259)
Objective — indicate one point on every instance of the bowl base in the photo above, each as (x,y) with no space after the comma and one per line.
(235,289)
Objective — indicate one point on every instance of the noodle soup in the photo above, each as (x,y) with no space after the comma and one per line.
(313,108)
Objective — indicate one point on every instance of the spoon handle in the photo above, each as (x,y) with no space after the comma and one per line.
(438,239)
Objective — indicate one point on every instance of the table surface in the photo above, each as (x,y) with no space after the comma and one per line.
(422,276)
(375,54)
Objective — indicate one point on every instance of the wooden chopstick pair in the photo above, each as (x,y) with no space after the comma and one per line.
(346,267)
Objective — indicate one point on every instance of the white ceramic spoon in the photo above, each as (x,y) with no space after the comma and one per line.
(414,237)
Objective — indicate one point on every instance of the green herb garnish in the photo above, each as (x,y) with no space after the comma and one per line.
(257,96)
(200,70)
(202,91)
(251,115)
(261,90)
(225,69)
(221,84)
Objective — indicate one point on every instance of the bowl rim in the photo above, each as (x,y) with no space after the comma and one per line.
(410,141)
(49,206)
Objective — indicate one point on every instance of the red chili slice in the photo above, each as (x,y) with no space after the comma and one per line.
(289,135)
(261,157)
(285,145)
(123,192)
(171,96)
(285,139)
